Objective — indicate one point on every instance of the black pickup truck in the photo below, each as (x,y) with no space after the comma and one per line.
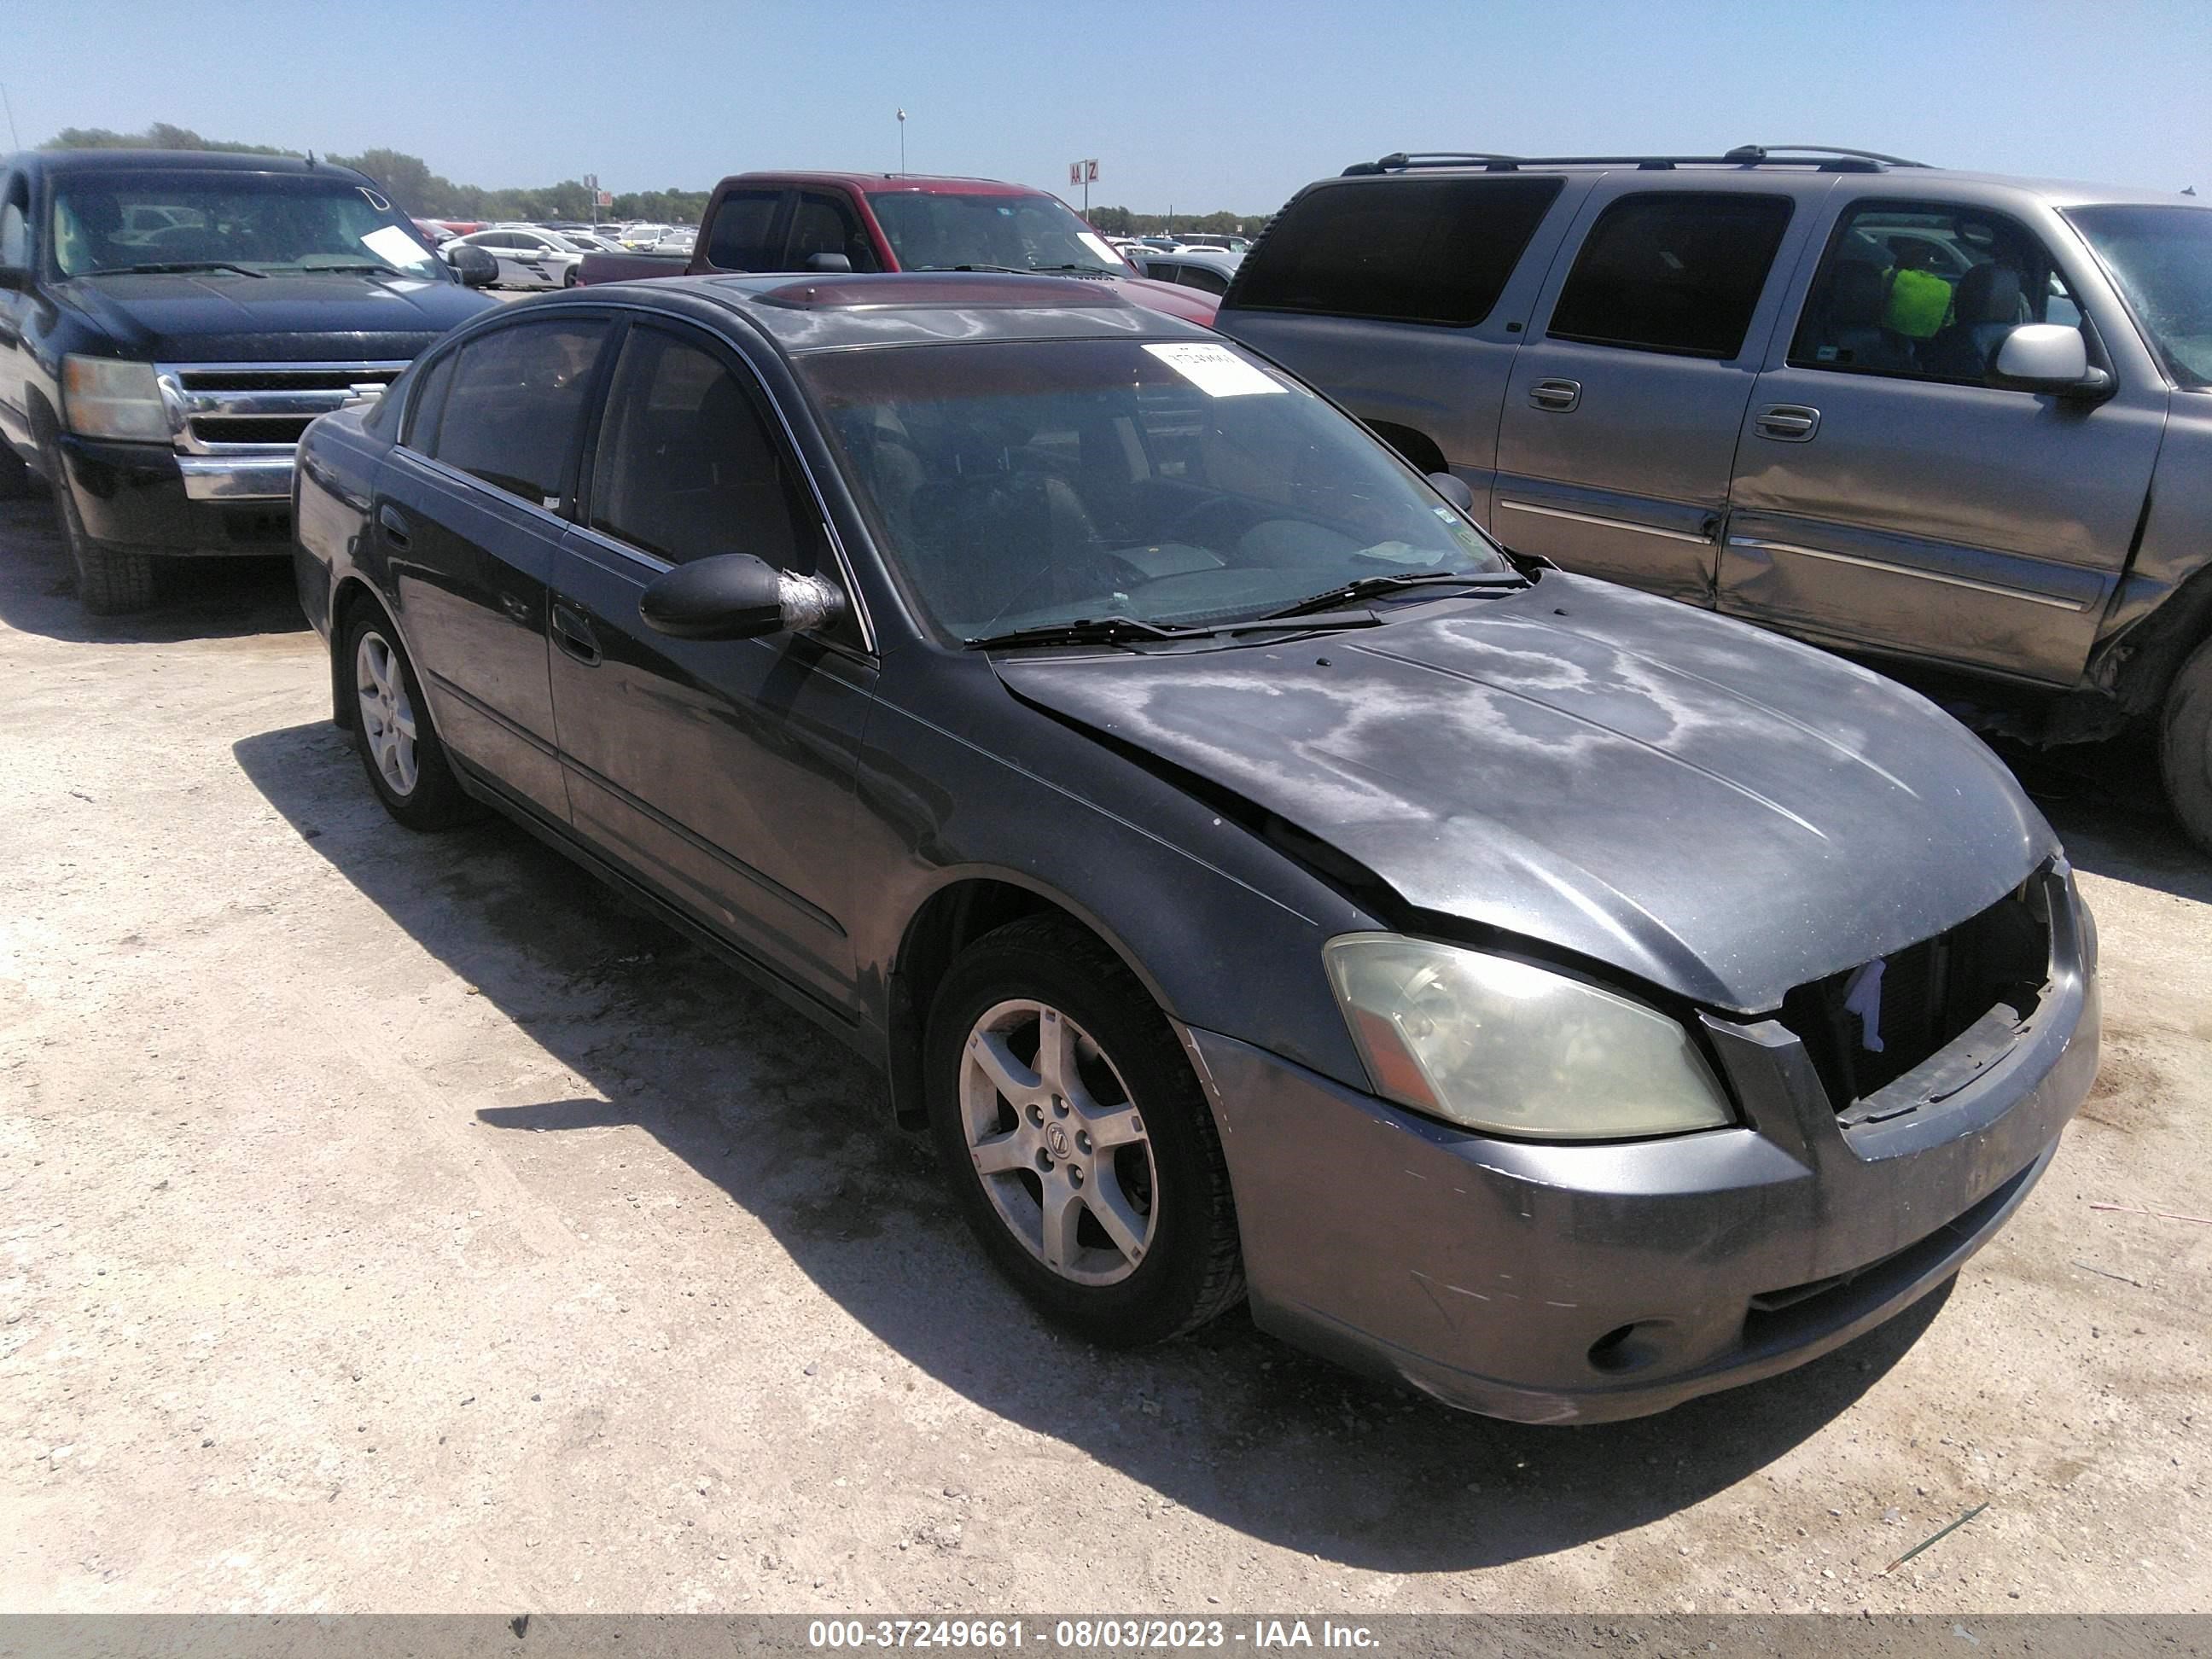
(171,321)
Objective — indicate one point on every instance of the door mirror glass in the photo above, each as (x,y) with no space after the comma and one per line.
(475,266)
(2045,357)
(735,596)
(1454,489)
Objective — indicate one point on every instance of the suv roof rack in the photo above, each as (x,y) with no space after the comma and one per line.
(1821,158)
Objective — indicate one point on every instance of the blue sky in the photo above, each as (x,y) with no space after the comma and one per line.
(1201,105)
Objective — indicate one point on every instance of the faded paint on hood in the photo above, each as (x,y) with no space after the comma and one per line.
(1715,810)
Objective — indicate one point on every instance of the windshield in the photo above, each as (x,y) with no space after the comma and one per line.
(931,232)
(258,222)
(1022,484)
(2160,259)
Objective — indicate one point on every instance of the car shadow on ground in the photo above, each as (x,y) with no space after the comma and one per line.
(2105,801)
(1228,1422)
(200,598)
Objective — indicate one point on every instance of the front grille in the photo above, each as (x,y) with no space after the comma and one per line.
(217,407)
(250,428)
(1929,994)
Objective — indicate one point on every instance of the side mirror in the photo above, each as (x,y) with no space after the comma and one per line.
(2048,358)
(15,279)
(828,262)
(475,266)
(1453,489)
(735,596)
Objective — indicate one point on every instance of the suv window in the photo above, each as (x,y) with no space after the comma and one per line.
(738,239)
(1673,271)
(1926,290)
(513,406)
(823,223)
(1405,250)
(687,467)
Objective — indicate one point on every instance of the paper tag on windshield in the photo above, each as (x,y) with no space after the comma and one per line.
(1102,247)
(1216,370)
(395,247)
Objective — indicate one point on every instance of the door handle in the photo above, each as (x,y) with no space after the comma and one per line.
(1788,423)
(393,523)
(1557,395)
(573,633)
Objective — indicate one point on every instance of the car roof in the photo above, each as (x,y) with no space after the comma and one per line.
(177,161)
(799,315)
(884,183)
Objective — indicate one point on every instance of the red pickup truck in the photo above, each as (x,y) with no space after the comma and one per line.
(864,221)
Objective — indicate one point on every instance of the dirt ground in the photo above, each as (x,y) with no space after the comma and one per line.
(399,1223)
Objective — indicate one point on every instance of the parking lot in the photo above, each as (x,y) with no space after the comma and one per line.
(399,1223)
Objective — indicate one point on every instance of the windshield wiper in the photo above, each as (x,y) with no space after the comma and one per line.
(1370,587)
(1008,270)
(361,268)
(176,266)
(1120,630)
(1086,270)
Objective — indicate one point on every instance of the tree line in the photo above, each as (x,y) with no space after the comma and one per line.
(409,182)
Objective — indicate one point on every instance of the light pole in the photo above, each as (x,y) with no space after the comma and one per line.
(901,115)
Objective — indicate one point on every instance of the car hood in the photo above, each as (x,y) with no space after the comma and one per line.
(179,317)
(1720,811)
(1193,305)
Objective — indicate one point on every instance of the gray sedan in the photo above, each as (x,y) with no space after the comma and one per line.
(1259,883)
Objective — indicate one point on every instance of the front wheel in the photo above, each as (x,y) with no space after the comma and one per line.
(399,749)
(1076,1139)
(2185,749)
(15,477)
(110,581)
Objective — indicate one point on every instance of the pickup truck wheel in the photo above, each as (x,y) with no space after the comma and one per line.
(110,581)
(1076,1139)
(392,731)
(16,478)
(2185,746)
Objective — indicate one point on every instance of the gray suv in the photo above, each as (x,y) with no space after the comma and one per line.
(1942,417)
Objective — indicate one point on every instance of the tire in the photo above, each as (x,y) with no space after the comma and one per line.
(2184,748)
(16,478)
(392,732)
(568,277)
(1169,1262)
(110,581)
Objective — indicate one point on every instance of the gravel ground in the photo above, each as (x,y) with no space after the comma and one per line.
(400,1224)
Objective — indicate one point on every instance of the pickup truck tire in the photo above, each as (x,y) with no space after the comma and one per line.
(1107,1130)
(2185,746)
(392,732)
(110,581)
(16,480)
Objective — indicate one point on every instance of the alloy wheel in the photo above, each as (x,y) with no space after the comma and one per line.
(387,717)
(1058,1143)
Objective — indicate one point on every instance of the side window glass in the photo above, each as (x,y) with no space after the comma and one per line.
(824,224)
(1405,250)
(737,240)
(1199,276)
(687,466)
(1927,291)
(515,406)
(1678,272)
(16,226)
(428,403)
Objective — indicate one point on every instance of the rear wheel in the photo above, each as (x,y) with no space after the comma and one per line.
(110,581)
(1076,1139)
(2185,746)
(392,732)
(568,277)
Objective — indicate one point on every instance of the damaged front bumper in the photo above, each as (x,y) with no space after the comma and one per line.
(1581,1282)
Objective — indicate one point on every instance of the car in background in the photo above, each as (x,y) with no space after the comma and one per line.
(171,321)
(527,256)
(1956,421)
(1208,269)
(880,221)
(638,238)
(1244,869)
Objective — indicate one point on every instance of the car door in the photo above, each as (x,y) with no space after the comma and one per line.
(1619,431)
(15,308)
(532,256)
(1889,494)
(720,771)
(468,511)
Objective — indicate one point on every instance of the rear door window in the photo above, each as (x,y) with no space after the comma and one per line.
(515,407)
(740,237)
(1405,250)
(1673,271)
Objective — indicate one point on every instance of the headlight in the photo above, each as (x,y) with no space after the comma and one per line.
(104,397)
(1516,1049)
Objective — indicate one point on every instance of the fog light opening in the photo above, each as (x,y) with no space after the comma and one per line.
(1625,1348)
